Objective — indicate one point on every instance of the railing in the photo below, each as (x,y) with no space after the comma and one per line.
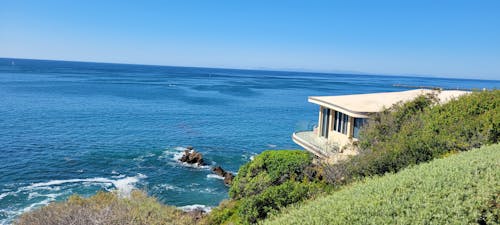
(309,140)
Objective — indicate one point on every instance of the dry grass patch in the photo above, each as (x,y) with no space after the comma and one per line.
(107,208)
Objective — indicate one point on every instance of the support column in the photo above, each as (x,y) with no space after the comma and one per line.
(350,127)
(330,124)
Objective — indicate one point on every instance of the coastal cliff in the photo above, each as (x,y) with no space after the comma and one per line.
(402,136)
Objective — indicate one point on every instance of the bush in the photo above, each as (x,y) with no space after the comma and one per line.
(421,130)
(257,207)
(274,179)
(225,213)
(463,188)
(270,168)
(106,208)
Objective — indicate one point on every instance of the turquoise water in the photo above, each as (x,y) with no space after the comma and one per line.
(68,127)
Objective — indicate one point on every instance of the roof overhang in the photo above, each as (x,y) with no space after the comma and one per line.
(331,105)
(361,105)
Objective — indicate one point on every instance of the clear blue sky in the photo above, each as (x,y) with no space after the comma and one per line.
(442,38)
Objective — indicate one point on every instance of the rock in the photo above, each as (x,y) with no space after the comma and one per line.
(228,177)
(219,171)
(192,157)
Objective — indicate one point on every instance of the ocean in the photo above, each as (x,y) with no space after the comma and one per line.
(76,128)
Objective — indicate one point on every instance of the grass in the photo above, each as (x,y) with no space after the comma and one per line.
(462,188)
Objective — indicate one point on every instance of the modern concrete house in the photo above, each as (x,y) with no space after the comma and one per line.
(341,117)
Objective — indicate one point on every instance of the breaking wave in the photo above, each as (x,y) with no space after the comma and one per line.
(124,185)
(190,208)
(43,193)
(215,176)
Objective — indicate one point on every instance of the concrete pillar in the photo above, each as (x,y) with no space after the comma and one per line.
(330,124)
(350,127)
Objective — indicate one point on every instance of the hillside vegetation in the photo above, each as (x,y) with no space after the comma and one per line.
(273,180)
(460,189)
(418,131)
(107,208)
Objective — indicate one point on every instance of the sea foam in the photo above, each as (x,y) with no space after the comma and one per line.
(215,176)
(177,155)
(190,208)
(124,185)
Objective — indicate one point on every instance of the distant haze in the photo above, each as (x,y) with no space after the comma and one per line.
(432,38)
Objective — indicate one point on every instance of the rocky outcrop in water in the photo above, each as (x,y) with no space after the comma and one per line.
(228,177)
(192,157)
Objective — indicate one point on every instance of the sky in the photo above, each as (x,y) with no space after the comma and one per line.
(442,38)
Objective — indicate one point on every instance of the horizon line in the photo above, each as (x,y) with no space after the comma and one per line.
(290,70)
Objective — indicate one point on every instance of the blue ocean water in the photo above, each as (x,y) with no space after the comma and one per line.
(77,128)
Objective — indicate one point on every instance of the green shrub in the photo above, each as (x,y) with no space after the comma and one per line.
(389,122)
(463,188)
(225,213)
(257,207)
(274,179)
(270,168)
(420,130)
(106,208)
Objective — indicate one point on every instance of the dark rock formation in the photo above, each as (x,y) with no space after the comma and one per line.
(192,157)
(219,171)
(228,177)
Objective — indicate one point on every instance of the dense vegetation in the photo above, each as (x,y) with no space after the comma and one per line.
(106,208)
(273,180)
(460,189)
(418,131)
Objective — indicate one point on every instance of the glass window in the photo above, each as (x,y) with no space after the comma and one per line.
(325,122)
(335,120)
(358,123)
(345,120)
(341,122)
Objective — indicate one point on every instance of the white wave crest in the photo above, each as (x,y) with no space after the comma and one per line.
(180,148)
(124,185)
(215,176)
(3,195)
(50,198)
(127,184)
(177,156)
(169,187)
(195,166)
(190,208)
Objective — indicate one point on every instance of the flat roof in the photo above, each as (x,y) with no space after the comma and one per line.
(359,105)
